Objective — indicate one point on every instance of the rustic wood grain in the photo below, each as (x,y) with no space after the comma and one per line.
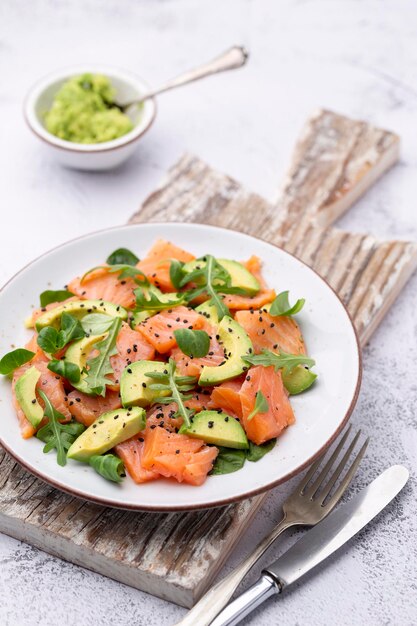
(175,556)
(335,160)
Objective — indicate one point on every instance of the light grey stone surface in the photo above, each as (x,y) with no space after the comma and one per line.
(359,58)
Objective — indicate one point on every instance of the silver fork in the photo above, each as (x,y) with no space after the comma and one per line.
(306,506)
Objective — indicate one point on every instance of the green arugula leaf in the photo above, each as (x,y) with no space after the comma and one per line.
(109,466)
(151,302)
(194,343)
(281,305)
(279,361)
(99,366)
(71,329)
(212,279)
(96,323)
(49,296)
(227,461)
(261,405)
(230,460)
(127,271)
(50,340)
(67,370)
(122,270)
(257,452)
(57,435)
(177,386)
(14,359)
(176,273)
(122,256)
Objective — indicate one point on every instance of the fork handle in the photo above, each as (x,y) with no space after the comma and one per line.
(210,605)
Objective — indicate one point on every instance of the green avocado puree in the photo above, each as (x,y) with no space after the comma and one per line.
(82,111)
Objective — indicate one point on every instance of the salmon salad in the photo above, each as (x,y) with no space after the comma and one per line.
(165,366)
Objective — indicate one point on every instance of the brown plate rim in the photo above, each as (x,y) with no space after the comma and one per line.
(221,502)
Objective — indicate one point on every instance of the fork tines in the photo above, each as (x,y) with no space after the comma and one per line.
(319,490)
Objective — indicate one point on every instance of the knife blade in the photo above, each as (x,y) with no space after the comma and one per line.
(317,544)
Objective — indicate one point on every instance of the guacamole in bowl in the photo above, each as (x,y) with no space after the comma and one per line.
(82,111)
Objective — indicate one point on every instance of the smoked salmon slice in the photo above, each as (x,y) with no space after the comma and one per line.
(264,296)
(101,284)
(163,416)
(265,426)
(227,397)
(157,263)
(178,456)
(188,366)
(131,452)
(86,409)
(131,346)
(158,330)
(271,333)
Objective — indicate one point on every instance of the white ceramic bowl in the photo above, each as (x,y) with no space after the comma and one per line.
(100,156)
(320,413)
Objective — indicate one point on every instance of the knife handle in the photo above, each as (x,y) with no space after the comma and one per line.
(244,604)
(219,595)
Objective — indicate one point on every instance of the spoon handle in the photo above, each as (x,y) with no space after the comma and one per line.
(231,59)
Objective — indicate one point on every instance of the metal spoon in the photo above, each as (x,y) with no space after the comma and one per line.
(231,59)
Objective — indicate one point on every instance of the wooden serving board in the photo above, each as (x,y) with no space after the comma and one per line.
(335,160)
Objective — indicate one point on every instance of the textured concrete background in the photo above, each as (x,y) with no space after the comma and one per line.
(357,58)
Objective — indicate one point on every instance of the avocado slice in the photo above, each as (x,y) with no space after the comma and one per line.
(25,390)
(106,432)
(134,384)
(236,344)
(217,428)
(209,311)
(138,317)
(78,353)
(79,308)
(241,277)
(298,380)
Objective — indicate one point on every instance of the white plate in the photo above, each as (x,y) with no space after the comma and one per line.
(320,413)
